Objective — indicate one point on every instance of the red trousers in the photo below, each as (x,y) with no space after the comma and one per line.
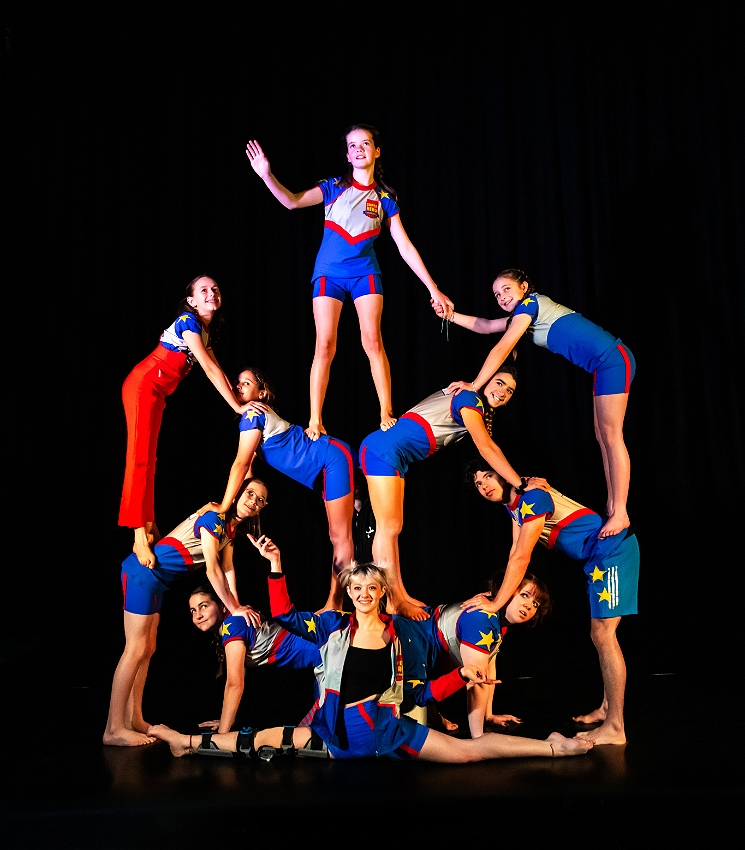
(144,396)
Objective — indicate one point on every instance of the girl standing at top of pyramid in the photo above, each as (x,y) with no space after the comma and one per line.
(357,205)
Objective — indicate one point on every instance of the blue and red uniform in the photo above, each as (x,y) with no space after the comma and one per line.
(176,555)
(269,644)
(346,261)
(432,646)
(143,394)
(581,341)
(611,564)
(374,727)
(428,427)
(289,449)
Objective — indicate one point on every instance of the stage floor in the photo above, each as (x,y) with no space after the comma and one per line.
(679,777)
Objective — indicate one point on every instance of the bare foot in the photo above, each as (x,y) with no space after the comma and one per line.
(404,608)
(126,738)
(180,744)
(561,746)
(141,726)
(387,420)
(142,549)
(596,716)
(314,430)
(448,725)
(416,602)
(502,719)
(605,734)
(614,525)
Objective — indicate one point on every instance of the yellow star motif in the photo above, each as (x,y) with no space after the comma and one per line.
(526,510)
(480,404)
(489,614)
(597,574)
(384,195)
(604,596)
(529,301)
(311,624)
(415,682)
(250,415)
(486,640)
(218,529)
(183,317)
(224,630)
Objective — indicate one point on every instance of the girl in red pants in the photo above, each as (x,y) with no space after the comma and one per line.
(144,393)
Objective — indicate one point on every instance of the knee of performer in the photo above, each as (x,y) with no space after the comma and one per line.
(388,528)
(609,434)
(603,632)
(372,342)
(325,347)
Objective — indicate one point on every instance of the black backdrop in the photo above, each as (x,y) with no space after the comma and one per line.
(600,151)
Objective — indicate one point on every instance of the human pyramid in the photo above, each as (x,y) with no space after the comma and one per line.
(393,654)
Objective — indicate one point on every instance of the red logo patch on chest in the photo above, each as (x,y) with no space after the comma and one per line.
(371,208)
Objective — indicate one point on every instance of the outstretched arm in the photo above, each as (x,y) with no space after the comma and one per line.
(471,323)
(248,442)
(487,448)
(416,264)
(524,539)
(288,199)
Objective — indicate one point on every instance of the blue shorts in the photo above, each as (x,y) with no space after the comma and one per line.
(615,373)
(143,588)
(612,573)
(338,287)
(400,737)
(338,470)
(371,464)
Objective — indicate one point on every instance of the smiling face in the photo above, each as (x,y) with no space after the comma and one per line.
(500,389)
(252,500)
(361,150)
(206,614)
(205,298)
(366,593)
(523,606)
(509,293)
(248,388)
(490,485)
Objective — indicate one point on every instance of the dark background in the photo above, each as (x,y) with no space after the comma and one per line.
(600,151)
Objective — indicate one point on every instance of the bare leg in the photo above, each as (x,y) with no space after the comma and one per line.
(387,501)
(326,312)
(185,745)
(491,745)
(139,633)
(609,415)
(606,467)
(133,718)
(613,669)
(340,513)
(369,310)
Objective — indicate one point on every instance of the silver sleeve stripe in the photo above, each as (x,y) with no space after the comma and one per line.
(548,312)
(435,410)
